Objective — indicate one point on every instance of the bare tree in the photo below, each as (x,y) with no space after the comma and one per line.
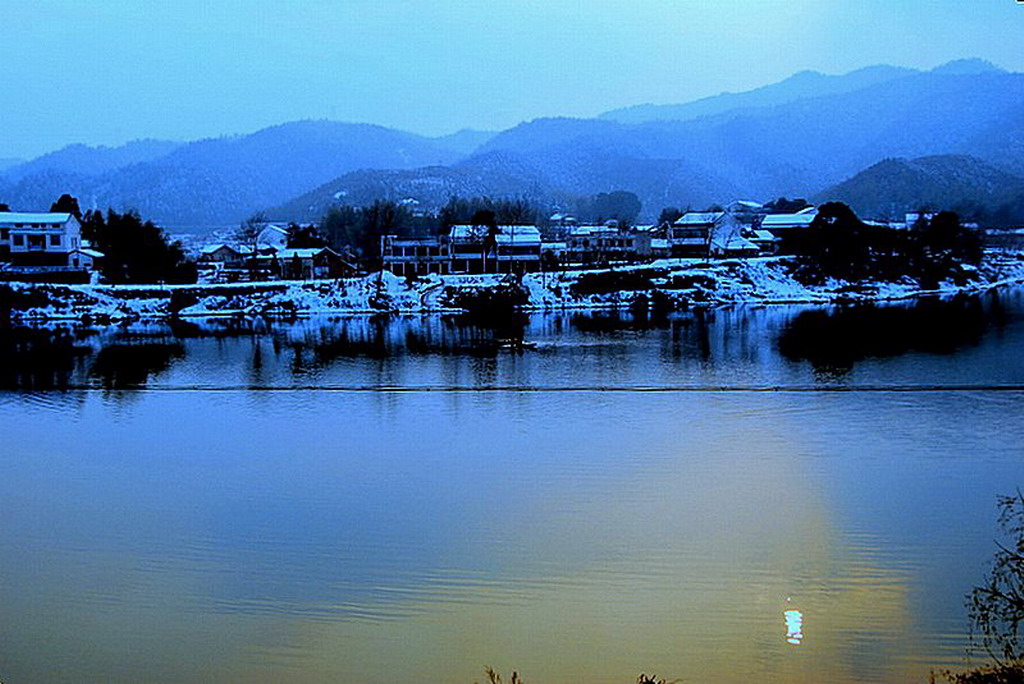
(996,608)
(249,234)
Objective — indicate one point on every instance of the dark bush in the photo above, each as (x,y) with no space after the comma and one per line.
(498,300)
(839,245)
(606,282)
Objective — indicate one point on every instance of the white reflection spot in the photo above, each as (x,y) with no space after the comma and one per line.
(794,626)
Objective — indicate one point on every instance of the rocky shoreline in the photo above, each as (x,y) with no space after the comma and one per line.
(668,283)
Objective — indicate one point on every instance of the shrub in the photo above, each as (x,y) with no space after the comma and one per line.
(607,282)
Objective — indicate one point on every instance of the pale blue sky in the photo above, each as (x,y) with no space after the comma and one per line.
(108,71)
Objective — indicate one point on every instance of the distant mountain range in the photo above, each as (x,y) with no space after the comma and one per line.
(892,187)
(811,135)
(219,180)
(805,84)
(84,160)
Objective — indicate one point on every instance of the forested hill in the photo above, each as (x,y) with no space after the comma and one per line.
(892,187)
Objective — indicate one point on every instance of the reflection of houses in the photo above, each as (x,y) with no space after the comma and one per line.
(605,244)
(45,239)
(409,256)
(506,249)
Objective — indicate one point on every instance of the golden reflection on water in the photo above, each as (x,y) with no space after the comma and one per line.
(679,553)
(720,553)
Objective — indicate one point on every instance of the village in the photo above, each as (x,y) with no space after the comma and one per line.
(49,247)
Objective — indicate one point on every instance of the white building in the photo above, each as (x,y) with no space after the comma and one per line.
(512,249)
(39,239)
(779,224)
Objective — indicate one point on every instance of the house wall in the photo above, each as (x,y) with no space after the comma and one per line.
(40,244)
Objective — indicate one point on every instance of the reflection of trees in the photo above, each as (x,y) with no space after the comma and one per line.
(382,338)
(636,320)
(39,358)
(123,366)
(834,341)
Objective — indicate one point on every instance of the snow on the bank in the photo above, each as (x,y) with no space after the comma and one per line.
(767,280)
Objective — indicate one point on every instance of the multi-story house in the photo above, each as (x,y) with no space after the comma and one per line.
(47,239)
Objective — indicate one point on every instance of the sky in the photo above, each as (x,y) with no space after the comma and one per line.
(116,70)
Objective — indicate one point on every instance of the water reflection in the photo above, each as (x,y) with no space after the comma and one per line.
(794,626)
(736,347)
(131,363)
(580,535)
(834,340)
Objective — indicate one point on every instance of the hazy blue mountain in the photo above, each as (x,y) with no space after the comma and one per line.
(892,187)
(770,145)
(466,141)
(967,67)
(85,160)
(492,175)
(790,149)
(8,163)
(798,86)
(223,180)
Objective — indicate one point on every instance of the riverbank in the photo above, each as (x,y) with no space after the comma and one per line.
(669,283)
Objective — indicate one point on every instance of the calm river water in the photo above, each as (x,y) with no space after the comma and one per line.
(749,494)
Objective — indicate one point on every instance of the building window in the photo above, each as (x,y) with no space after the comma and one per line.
(5,233)
(55,240)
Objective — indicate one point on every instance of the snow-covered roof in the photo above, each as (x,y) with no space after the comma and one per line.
(413,240)
(506,234)
(699,218)
(34,217)
(800,219)
(91,252)
(747,204)
(764,236)
(659,243)
(210,249)
(585,231)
